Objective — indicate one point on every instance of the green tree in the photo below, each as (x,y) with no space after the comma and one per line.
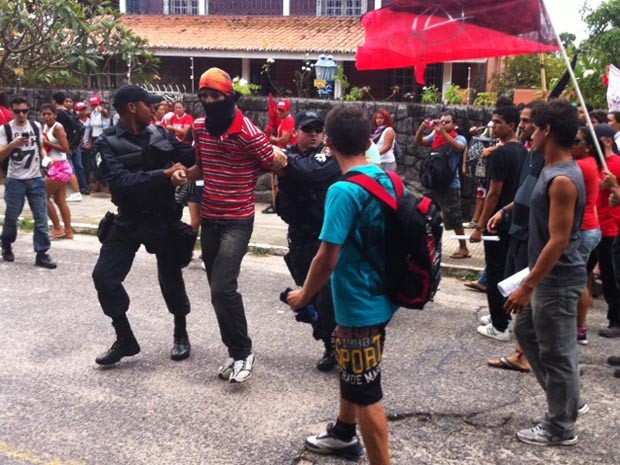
(601,48)
(63,41)
(524,72)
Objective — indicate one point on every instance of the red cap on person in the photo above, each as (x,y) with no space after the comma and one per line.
(217,79)
(284,104)
(79,106)
(95,100)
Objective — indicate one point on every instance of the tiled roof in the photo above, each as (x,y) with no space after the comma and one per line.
(294,34)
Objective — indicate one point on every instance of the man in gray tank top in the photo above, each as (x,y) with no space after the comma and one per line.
(547,331)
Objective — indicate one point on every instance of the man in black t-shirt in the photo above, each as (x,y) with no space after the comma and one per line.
(502,172)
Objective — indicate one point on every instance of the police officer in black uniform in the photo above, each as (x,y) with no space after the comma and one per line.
(137,159)
(300,202)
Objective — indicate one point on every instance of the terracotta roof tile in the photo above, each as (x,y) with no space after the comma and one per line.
(295,34)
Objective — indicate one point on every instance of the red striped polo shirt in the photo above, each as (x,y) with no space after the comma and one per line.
(230,167)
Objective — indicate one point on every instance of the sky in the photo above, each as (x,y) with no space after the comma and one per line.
(565,16)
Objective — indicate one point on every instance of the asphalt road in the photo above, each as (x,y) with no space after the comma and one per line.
(57,407)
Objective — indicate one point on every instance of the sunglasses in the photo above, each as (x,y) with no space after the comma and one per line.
(17,112)
(314,128)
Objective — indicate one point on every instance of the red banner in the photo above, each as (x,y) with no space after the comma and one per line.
(416,33)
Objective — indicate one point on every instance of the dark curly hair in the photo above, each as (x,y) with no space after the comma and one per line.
(560,117)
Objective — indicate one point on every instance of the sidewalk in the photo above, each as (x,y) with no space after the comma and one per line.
(269,230)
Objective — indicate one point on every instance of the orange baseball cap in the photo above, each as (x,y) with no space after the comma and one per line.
(217,79)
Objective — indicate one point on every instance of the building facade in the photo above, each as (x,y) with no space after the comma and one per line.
(270,43)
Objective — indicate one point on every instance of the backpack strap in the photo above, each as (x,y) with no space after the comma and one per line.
(8,132)
(375,188)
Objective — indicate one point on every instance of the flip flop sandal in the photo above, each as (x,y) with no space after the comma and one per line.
(459,256)
(506,364)
(57,235)
(475,285)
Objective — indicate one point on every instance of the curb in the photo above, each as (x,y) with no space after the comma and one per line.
(257,248)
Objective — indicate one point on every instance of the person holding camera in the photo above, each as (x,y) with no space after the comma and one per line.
(21,141)
(444,141)
(137,161)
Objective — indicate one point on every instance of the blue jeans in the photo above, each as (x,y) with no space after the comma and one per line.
(548,335)
(78,167)
(224,243)
(15,193)
(589,241)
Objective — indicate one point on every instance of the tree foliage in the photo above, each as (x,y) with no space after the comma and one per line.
(601,48)
(64,41)
(524,72)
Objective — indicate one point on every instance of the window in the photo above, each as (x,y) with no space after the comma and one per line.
(246,7)
(135,6)
(183,7)
(344,7)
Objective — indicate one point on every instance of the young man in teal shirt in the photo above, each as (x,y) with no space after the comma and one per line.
(362,308)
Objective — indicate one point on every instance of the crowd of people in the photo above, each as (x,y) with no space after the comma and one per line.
(546,194)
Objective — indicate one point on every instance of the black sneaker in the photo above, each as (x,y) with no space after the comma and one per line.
(7,253)
(327,362)
(614,361)
(44,261)
(121,348)
(329,444)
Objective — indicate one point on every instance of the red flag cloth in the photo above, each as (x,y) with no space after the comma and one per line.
(274,118)
(417,32)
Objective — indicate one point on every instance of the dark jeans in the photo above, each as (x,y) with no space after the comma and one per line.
(495,254)
(224,244)
(303,246)
(548,336)
(608,254)
(113,265)
(78,167)
(16,191)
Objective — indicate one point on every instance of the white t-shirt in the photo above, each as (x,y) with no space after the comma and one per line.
(98,123)
(25,161)
(387,157)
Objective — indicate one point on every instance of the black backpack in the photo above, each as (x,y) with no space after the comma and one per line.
(413,242)
(73,127)
(435,171)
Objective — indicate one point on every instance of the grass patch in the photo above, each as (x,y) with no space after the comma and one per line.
(471,276)
(27,225)
(260,251)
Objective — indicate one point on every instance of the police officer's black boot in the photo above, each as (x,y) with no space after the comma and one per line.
(328,361)
(181,346)
(124,346)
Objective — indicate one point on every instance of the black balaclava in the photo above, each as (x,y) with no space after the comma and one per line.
(220,115)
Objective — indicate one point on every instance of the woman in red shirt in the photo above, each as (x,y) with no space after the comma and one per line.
(590,165)
(180,122)
(608,251)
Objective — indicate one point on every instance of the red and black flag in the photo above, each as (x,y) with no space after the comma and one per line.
(418,32)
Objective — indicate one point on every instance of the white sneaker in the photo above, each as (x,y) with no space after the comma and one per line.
(485,319)
(490,331)
(75,197)
(226,369)
(242,369)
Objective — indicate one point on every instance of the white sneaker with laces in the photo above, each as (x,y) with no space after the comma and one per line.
(75,197)
(226,369)
(490,331)
(242,369)
(485,319)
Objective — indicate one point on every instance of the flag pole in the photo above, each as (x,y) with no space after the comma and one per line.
(582,102)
